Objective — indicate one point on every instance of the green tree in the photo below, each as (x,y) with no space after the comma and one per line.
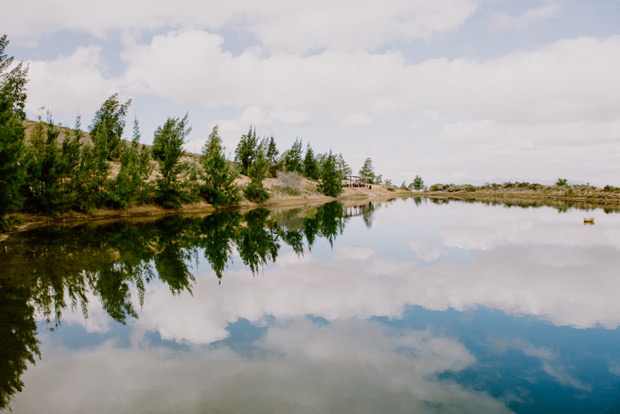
(342,166)
(167,151)
(417,184)
(43,166)
(90,178)
(12,103)
(219,175)
(311,166)
(257,172)
(272,156)
(70,159)
(562,182)
(368,171)
(245,153)
(109,120)
(331,181)
(292,158)
(131,184)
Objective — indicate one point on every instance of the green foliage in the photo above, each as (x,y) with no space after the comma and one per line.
(292,158)
(342,166)
(257,172)
(272,156)
(131,185)
(245,153)
(167,150)
(417,184)
(109,123)
(311,166)
(438,187)
(367,172)
(94,169)
(12,103)
(219,175)
(331,181)
(43,166)
(562,182)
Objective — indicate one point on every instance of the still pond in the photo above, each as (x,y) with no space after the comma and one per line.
(409,306)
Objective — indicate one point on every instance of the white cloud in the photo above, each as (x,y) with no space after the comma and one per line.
(545,279)
(425,252)
(70,84)
(277,24)
(535,113)
(346,367)
(568,82)
(356,120)
(550,364)
(503,21)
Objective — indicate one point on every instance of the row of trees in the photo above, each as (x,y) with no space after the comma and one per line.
(57,169)
(259,158)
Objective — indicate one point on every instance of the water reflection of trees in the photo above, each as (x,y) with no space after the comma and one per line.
(46,271)
(561,205)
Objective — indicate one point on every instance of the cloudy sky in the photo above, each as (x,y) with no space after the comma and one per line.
(452,90)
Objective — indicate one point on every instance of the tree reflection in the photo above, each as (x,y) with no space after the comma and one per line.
(47,270)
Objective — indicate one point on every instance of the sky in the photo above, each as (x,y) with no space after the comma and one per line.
(452,90)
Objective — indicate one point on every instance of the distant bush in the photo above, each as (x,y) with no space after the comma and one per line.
(438,187)
(611,188)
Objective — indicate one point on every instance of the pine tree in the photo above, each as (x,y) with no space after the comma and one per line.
(272,157)
(109,120)
(219,176)
(43,168)
(311,166)
(342,166)
(91,176)
(418,183)
(130,185)
(331,181)
(167,150)
(12,103)
(367,171)
(70,158)
(257,172)
(246,150)
(292,158)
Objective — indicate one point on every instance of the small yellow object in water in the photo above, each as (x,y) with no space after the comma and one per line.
(588,220)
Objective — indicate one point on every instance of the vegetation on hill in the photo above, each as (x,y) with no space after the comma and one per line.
(561,190)
(54,169)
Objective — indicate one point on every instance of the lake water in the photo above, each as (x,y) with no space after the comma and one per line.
(400,307)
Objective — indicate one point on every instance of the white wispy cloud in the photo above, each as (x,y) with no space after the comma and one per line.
(278,25)
(504,21)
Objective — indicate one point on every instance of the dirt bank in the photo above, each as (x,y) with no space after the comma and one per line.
(308,196)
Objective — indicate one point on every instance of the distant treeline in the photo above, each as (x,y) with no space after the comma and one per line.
(561,186)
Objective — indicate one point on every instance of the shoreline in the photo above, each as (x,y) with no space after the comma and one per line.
(151,211)
(594,198)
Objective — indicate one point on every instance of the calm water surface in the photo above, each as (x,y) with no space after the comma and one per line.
(408,306)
